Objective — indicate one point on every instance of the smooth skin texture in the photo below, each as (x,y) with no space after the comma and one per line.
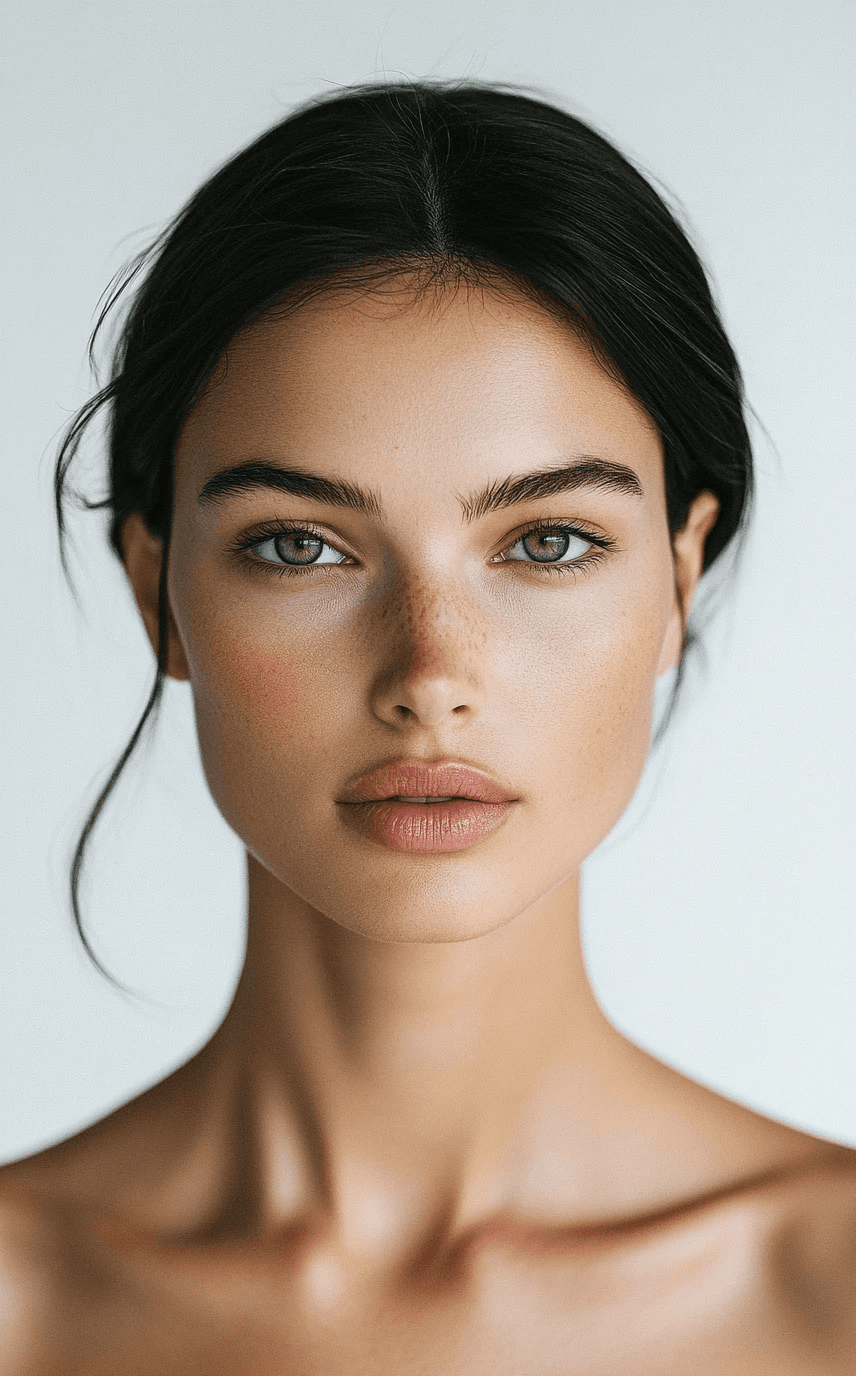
(416,1144)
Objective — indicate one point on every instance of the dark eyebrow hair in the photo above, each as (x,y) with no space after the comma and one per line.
(583,472)
(244,477)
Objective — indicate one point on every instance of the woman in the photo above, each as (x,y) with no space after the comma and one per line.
(423,430)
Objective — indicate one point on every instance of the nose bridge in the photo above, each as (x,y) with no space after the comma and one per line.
(434,646)
(439,624)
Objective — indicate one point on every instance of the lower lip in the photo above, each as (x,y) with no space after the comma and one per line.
(427,827)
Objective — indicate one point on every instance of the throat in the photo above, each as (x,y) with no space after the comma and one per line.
(410,1066)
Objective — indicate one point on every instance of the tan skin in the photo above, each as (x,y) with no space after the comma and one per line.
(416,1144)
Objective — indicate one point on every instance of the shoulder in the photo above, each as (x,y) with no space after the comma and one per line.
(145,1165)
(59,1283)
(65,1293)
(810,1257)
(36,1273)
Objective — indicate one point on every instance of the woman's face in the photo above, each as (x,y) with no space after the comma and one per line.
(466,559)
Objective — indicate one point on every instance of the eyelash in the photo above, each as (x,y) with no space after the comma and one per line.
(601,546)
(244,545)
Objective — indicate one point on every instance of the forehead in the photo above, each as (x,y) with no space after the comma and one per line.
(462,382)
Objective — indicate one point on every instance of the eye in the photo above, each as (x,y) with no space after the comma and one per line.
(297,548)
(549,545)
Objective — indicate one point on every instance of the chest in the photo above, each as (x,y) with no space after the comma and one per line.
(706,1310)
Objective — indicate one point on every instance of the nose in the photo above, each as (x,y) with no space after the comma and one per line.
(432,670)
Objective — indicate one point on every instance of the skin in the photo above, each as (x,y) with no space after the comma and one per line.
(416,1144)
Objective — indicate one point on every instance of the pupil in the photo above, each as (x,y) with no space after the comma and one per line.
(298,549)
(546,547)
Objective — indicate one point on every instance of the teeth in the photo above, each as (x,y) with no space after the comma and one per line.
(401,799)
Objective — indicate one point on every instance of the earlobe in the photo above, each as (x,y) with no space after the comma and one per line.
(142,553)
(688,558)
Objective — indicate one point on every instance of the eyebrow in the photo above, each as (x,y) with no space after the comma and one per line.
(583,472)
(246,477)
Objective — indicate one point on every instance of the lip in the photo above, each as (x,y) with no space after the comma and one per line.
(471,805)
(420,779)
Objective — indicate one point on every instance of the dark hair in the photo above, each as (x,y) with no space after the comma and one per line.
(455,179)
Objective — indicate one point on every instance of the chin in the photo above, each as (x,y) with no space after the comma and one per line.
(425,928)
(415,899)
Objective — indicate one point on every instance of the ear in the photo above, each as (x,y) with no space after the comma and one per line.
(688,559)
(142,555)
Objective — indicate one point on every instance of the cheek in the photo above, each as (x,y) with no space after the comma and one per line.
(249,699)
(264,686)
(258,701)
(597,711)
(256,714)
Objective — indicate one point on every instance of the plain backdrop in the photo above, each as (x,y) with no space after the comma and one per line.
(721,915)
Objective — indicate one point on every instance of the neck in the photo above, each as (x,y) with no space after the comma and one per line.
(397,1068)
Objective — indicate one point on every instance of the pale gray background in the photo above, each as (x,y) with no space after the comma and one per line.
(721,919)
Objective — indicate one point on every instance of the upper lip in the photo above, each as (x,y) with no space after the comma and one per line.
(420,779)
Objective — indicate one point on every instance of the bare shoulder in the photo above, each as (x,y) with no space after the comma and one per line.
(55,1272)
(63,1293)
(25,1267)
(810,1254)
(796,1194)
(48,1199)
(124,1157)
(40,1270)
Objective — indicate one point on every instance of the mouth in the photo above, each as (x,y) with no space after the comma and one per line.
(410,805)
(417,781)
